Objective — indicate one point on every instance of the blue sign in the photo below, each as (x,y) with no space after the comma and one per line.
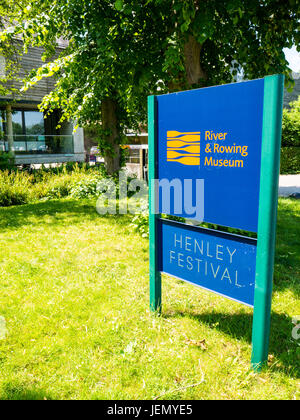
(214,156)
(217,261)
(213,134)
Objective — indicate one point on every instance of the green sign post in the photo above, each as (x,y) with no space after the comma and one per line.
(264,150)
(267,215)
(155,276)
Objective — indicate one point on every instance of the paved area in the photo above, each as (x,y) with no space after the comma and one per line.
(289,184)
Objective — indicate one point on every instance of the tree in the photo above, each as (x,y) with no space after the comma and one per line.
(110,63)
(213,40)
(9,9)
(121,51)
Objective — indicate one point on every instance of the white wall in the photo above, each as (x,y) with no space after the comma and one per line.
(78,137)
(2,66)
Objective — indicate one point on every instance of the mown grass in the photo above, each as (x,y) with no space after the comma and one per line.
(74,295)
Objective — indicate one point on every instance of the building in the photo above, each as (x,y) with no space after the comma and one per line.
(23,128)
(137,155)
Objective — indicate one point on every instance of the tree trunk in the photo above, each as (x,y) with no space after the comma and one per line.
(110,123)
(194,75)
(194,72)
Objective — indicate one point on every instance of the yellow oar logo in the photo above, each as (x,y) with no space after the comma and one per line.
(183,148)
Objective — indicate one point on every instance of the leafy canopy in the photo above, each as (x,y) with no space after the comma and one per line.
(126,49)
(9,9)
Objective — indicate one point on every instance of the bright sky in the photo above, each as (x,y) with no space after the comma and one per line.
(293,57)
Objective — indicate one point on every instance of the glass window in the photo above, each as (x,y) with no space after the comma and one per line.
(2,122)
(17,122)
(34,123)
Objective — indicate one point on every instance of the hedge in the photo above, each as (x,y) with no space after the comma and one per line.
(290,160)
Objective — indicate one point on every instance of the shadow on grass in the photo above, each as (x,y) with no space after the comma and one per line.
(239,326)
(55,213)
(20,392)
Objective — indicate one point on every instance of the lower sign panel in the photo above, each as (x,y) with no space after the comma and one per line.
(220,262)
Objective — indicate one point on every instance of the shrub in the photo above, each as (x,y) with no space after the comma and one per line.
(86,187)
(290,151)
(291,125)
(21,187)
(7,160)
(57,186)
(140,222)
(290,160)
(15,188)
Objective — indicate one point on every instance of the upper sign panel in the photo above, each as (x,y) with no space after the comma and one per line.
(214,134)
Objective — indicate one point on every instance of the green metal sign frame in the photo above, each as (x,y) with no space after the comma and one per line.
(267,215)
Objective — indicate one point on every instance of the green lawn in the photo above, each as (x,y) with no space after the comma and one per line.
(74,295)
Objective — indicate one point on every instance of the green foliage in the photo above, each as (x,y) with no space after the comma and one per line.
(140,222)
(70,180)
(126,50)
(15,188)
(290,160)
(105,59)
(119,52)
(248,35)
(75,180)
(9,10)
(290,151)
(291,125)
(7,160)
(86,187)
